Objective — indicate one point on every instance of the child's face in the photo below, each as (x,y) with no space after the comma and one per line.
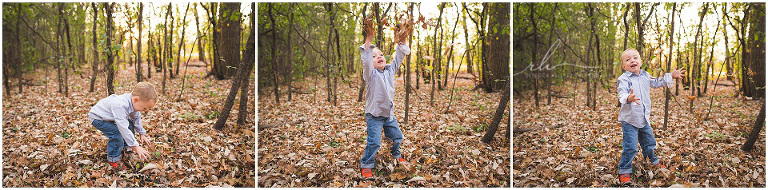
(142,105)
(631,61)
(378,59)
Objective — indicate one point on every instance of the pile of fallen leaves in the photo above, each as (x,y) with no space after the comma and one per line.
(570,145)
(49,142)
(309,142)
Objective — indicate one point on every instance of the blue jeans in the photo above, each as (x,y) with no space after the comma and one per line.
(632,135)
(375,126)
(116,143)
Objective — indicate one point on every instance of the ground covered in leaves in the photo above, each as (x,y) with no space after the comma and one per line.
(49,142)
(570,145)
(308,142)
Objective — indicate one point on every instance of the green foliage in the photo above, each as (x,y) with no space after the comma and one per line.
(457,128)
(65,135)
(481,128)
(189,116)
(715,136)
(212,115)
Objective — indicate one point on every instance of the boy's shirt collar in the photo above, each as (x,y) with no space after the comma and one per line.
(641,72)
(130,103)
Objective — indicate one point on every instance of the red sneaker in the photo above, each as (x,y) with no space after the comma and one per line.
(659,165)
(624,178)
(401,160)
(366,172)
(119,166)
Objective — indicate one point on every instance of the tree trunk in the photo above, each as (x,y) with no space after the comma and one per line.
(728,63)
(669,63)
(329,53)
(436,51)
(755,52)
(362,80)
(484,51)
(130,48)
(229,16)
(639,22)
(450,53)
(697,56)
(138,55)
(548,79)
(18,53)
(69,57)
(242,114)
(710,64)
(438,67)
(499,42)
(218,68)
(500,109)
(408,73)
(168,46)
(593,94)
(245,69)
(274,55)
(755,132)
(337,65)
(200,48)
(151,53)
(533,54)
(110,57)
(466,40)
(181,40)
(165,46)
(289,54)
(626,30)
(59,48)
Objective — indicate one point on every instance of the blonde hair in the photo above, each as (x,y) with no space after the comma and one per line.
(627,51)
(145,91)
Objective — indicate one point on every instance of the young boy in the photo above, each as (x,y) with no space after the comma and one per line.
(379,112)
(635,110)
(118,115)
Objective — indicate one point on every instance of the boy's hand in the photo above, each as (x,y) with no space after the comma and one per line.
(144,139)
(143,154)
(368,28)
(404,29)
(679,73)
(631,98)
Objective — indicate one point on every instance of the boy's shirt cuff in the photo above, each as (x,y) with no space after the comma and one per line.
(362,47)
(668,80)
(404,48)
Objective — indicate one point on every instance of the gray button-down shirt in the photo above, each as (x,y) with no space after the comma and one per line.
(381,83)
(119,109)
(633,113)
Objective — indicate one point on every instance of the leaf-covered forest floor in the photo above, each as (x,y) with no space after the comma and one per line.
(308,142)
(570,145)
(49,142)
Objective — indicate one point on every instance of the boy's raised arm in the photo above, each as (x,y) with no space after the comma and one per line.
(367,57)
(367,49)
(400,51)
(403,31)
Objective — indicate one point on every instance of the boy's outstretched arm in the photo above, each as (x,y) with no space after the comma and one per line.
(400,51)
(367,50)
(667,79)
(404,30)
